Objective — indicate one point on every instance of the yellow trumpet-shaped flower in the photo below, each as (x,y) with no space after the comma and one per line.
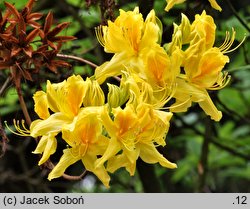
(86,144)
(202,66)
(136,134)
(59,98)
(203,71)
(126,37)
(203,27)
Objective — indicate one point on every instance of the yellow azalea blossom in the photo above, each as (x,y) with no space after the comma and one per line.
(202,66)
(126,37)
(59,98)
(86,144)
(171,3)
(186,93)
(202,72)
(136,134)
(203,27)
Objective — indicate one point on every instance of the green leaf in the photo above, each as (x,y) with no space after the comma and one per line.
(233,100)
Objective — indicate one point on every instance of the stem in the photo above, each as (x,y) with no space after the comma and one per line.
(74,178)
(203,165)
(5,139)
(4,85)
(237,16)
(148,177)
(50,166)
(16,76)
(77,59)
(230,150)
(84,61)
(215,141)
(23,106)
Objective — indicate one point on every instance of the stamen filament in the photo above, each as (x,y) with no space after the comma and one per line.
(228,42)
(99,35)
(20,132)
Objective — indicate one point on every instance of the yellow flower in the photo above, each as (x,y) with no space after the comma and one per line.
(171,3)
(86,144)
(202,66)
(117,96)
(136,134)
(203,71)
(203,27)
(127,36)
(186,93)
(60,98)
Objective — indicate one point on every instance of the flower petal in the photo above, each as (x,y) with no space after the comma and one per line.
(215,5)
(120,161)
(41,104)
(66,160)
(47,145)
(88,161)
(210,109)
(149,154)
(113,148)
(52,124)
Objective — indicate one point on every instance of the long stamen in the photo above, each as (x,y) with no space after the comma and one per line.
(21,131)
(99,35)
(176,106)
(221,83)
(228,42)
(166,97)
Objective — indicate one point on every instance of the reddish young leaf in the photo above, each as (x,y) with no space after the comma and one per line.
(32,35)
(52,45)
(28,51)
(12,9)
(48,22)
(35,16)
(29,5)
(57,29)
(63,38)
(15,51)
(21,25)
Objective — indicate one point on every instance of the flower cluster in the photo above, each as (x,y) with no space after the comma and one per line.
(113,132)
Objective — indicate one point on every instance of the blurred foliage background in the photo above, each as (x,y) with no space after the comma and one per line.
(211,157)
